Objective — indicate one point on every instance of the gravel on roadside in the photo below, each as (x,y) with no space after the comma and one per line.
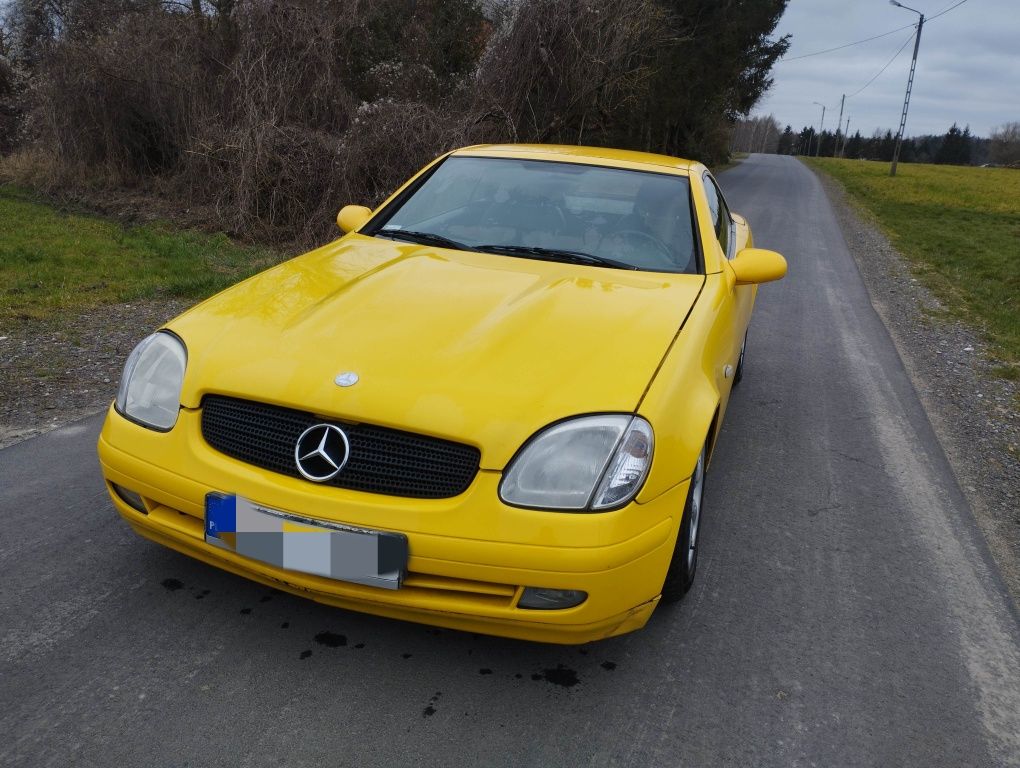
(56,371)
(973,411)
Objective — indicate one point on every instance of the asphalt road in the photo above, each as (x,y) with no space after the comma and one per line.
(846,610)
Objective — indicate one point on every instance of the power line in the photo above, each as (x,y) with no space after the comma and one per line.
(947,10)
(905,43)
(869,39)
(887,65)
(848,45)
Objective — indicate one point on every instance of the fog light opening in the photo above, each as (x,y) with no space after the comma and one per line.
(542,599)
(130,498)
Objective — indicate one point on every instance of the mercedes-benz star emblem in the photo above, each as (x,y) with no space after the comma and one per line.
(321,452)
(346,379)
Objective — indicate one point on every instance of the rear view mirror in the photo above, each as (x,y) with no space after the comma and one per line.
(351,217)
(756,265)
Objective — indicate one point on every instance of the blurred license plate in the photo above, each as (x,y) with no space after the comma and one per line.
(375,558)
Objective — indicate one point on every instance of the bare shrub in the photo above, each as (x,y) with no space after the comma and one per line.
(265,145)
(126,105)
(566,70)
(10,112)
(273,113)
(314,120)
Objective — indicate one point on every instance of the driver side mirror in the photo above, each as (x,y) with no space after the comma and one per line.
(351,217)
(756,265)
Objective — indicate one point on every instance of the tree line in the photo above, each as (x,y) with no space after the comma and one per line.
(955,147)
(275,112)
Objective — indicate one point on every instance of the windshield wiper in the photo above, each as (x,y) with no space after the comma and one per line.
(554,254)
(422,238)
(527,251)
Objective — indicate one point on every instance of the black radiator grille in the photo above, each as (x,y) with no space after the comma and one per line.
(382,460)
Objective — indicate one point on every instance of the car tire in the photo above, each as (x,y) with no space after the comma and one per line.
(739,373)
(684,564)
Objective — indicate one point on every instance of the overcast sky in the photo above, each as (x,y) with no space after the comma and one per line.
(968,68)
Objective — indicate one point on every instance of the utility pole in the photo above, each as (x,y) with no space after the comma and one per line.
(910,85)
(846,137)
(839,123)
(821,127)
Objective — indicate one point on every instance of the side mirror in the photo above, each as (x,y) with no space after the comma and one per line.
(756,265)
(351,217)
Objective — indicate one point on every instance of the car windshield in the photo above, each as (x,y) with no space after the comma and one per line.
(587,214)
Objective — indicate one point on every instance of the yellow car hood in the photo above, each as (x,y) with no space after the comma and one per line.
(472,347)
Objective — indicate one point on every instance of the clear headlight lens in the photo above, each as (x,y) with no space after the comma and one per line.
(150,388)
(591,462)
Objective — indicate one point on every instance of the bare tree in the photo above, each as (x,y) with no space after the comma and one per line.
(756,134)
(564,70)
(1005,145)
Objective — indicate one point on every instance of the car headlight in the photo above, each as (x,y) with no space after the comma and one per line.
(150,389)
(588,463)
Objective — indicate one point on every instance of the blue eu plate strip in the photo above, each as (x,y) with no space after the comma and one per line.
(220,514)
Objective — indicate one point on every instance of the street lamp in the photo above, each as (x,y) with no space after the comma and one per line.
(821,126)
(910,85)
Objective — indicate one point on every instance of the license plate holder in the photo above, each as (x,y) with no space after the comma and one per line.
(296,543)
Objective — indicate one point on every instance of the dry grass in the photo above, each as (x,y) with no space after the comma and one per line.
(960,227)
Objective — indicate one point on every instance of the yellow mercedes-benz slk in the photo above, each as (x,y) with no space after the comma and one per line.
(489,406)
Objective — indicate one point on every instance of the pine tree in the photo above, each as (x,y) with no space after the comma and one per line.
(786,141)
(955,149)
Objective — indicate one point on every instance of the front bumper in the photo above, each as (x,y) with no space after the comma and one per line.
(470,556)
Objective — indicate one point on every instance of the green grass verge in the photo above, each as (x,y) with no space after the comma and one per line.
(52,262)
(960,229)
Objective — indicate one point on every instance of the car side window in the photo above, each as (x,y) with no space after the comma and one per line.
(722,222)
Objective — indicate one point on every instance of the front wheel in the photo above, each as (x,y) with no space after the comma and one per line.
(684,563)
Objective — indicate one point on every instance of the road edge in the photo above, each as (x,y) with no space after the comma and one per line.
(968,407)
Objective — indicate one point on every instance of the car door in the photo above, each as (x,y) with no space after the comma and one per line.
(735,301)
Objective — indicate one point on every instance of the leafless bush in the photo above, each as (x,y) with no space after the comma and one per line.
(565,70)
(308,127)
(266,144)
(9,108)
(274,113)
(126,106)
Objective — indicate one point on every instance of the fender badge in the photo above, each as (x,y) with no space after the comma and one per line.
(346,379)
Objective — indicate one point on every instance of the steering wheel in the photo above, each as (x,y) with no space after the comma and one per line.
(662,255)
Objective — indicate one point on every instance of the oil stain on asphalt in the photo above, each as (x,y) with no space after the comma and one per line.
(331,639)
(561,675)
(430,709)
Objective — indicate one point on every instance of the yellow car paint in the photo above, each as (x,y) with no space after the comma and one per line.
(472,347)
(470,555)
(471,321)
